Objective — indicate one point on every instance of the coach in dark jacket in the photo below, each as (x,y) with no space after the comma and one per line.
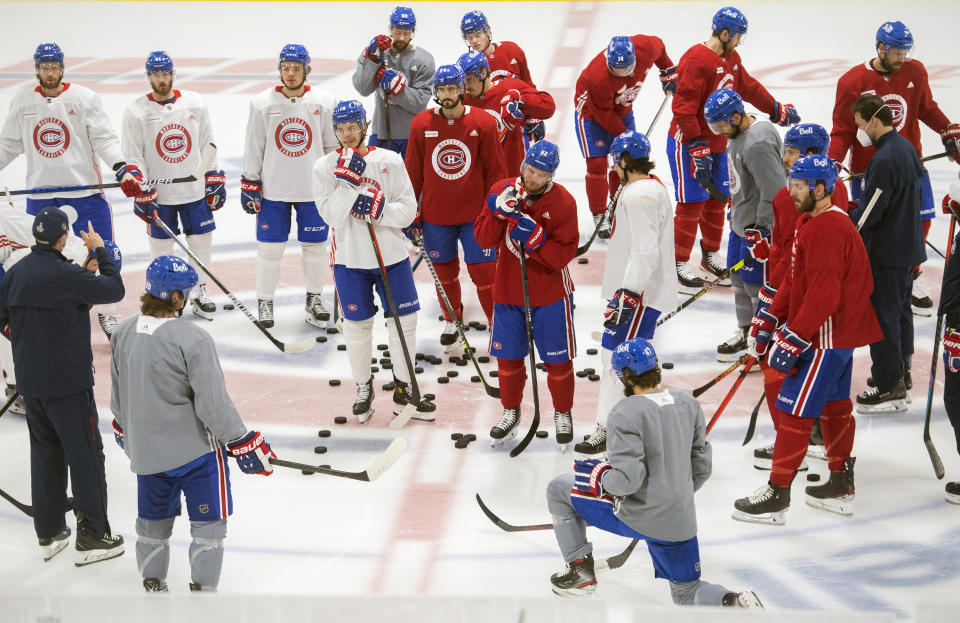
(45,305)
(950,310)
(893,237)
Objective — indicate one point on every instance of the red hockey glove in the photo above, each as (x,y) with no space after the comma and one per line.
(588,476)
(951,140)
(378,44)
(758,242)
(785,114)
(511,108)
(951,349)
(253,454)
(214,189)
(762,327)
(787,347)
(622,308)
(767,292)
(145,206)
(528,233)
(350,167)
(668,79)
(949,204)
(131,179)
(251,195)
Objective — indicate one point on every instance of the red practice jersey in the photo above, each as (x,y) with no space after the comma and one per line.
(536,103)
(825,296)
(906,93)
(509,61)
(605,98)
(702,72)
(547,274)
(452,163)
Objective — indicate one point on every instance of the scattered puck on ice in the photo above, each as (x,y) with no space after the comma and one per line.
(386,353)
(591,351)
(667,365)
(334,382)
(452,373)
(429,397)
(440,318)
(341,347)
(473,324)
(594,377)
(381,347)
(387,365)
(383,360)
(461,444)
(340,419)
(443,380)
(582,260)
(542,434)
(388,387)
(453,359)
(456,436)
(228,306)
(483,359)
(436,361)
(582,374)
(324,432)
(307,472)
(470,437)
(813,477)
(589,371)
(494,373)
(321,338)
(319,449)
(474,379)
(373,360)
(463,362)
(418,370)
(374,369)
(332,330)
(481,327)
(419,357)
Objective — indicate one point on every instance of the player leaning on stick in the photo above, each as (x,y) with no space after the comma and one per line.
(823,312)
(165,132)
(534,215)
(659,457)
(950,309)
(638,276)
(288,130)
(357,186)
(177,425)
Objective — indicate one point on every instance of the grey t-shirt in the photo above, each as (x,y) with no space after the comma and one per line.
(756,175)
(417,66)
(168,393)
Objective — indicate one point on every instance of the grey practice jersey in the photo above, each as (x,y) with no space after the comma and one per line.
(168,393)
(756,175)
(417,66)
(658,456)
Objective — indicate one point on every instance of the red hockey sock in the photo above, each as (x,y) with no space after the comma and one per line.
(838,427)
(685,228)
(598,186)
(613,181)
(560,382)
(772,380)
(926,230)
(793,437)
(711,225)
(449,275)
(483,275)
(512,374)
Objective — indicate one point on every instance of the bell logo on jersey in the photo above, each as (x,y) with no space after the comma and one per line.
(173,143)
(898,108)
(451,159)
(51,137)
(293,137)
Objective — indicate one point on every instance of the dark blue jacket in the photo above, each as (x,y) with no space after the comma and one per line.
(892,234)
(45,302)
(950,289)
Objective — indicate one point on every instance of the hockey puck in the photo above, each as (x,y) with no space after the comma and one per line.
(386,354)
(481,327)
(373,360)
(388,387)
(461,444)
(813,477)
(334,382)
(321,338)
(418,357)
(418,370)
(382,347)
(319,449)
(429,397)
(463,362)
(667,365)
(228,306)
(324,432)
(594,377)
(470,437)
(374,369)
(443,380)
(591,351)
(383,360)
(340,420)
(453,359)
(542,434)
(582,260)
(589,371)
(332,330)
(456,436)
(483,359)
(307,472)
(474,379)
(341,347)
(581,374)
(494,373)
(387,365)
(473,324)
(452,373)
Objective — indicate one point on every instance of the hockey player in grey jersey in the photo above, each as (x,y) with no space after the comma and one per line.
(176,423)
(658,458)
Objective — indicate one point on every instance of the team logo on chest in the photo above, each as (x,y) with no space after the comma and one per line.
(173,143)
(898,108)
(626,94)
(51,137)
(451,159)
(293,137)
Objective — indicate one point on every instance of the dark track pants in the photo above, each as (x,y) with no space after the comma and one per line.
(891,302)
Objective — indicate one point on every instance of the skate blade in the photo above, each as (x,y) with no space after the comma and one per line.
(201,314)
(563,447)
(49,551)
(320,324)
(422,416)
(909,398)
(842,505)
(97,555)
(579,454)
(499,442)
(453,350)
(363,417)
(774,519)
(731,357)
(892,406)
(925,312)
(952,498)
(575,592)
(749,600)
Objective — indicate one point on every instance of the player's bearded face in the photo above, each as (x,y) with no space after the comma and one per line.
(801,195)
(161,82)
(401,38)
(50,75)
(892,59)
(731,44)
(535,180)
(449,96)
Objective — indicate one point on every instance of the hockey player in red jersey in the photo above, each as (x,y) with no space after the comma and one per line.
(604,98)
(823,310)
(903,85)
(541,215)
(453,157)
(511,99)
(697,156)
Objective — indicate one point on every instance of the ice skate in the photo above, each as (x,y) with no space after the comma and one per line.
(767,505)
(763,459)
(837,494)
(54,545)
(201,304)
(595,443)
(108,322)
(711,262)
(563,423)
(153,585)
(733,348)
(449,339)
(952,491)
(401,396)
(16,407)
(316,313)
(265,313)
(689,283)
(91,549)
(920,303)
(363,401)
(578,581)
(745,599)
(604,230)
(506,427)
(874,401)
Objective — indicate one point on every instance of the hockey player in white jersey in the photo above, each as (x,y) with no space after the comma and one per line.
(639,279)
(62,130)
(289,128)
(164,133)
(358,186)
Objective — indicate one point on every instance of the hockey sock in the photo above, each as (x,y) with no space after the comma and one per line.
(598,186)
(449,275)
(313,259)
(685,229)
(711,224)
(267,272)
(409,325)
(697,593)
(926,230)
(201,245)
(6,360)
(772,380)
(611,390)
(358,336)
(206,552)
(560,383)
(838,427)
(161,246)
(613,182)
(483,275)
(790,447)
(153,547)
(512,374)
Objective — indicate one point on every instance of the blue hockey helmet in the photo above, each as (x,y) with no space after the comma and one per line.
(47,53)
(895,35)
(543,155)
(621,53)
(403,17)
(159,61)
(807,136)
(636,355)
(814,168)
(167,274)
(731,19)
(347,111)
(448,74)
(720,106)
(473,62)
(295,53)
(112,249)
(474,21)
(634,143)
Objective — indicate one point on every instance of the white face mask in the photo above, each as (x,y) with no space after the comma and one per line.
(864,138)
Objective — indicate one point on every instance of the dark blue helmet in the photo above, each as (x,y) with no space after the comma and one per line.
(813,168)
(294,53)
(621,53)
(634,143)
(473,62)
(806,136)
(895,35)
(731,19)
(474,21)
(544,155)
(48,53)
(114,251)
(636,355)
(720,106)
(403,17)
(347,111)
(159,61)
(167,274)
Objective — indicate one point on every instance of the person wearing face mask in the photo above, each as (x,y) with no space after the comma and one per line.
(902,83)
(893,236)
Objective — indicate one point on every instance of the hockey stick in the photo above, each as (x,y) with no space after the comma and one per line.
(853,176)
(703,291)
(866,213)
(703,388)
(753,419)
(733,390)
(376,469)
(386,101)
(715,192)
(24,508)
(936,250)
(417,262)
(493,392)
(13,397)
(607,214)
(656,117)
(295,347)
(528,322)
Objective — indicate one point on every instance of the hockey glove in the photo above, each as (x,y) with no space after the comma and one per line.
(251,195)
(414,232)
(130,178)
(375,50)
(767,292)
(145,206)
(758,242)
(588,476)
(950,206)
(253,454)
(118,433)
(504,206)
(762,327)
(951,350)
(668,79)
(214,189)
(350,167)
(528,233)
(786,348)
(511,108)
(622,308)
(368,203)
(784,114)
(391,82)
(534,129)
(701,162)
(951,140)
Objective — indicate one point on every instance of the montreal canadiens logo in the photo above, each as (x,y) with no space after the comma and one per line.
(898,108)
(174,143)
(451,159)
(51,137)
(293,137)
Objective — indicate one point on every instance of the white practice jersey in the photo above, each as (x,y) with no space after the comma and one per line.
(16,238)
(640,256)
(352,246)
(61,137)
(285,137)
(165,141)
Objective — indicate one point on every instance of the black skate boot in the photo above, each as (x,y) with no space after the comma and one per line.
(506,427)
(316,314)
(733,348)
(920,303)
(763,459)
(689,283)
(579,580)
(201,304)
(874,401)
(837,494)
(744,599)
(54,545)
(953,492)
(265,313)
(91,549)
(711,262)
(153,585)
(363,402)
(604,231)
(595,443)
(108,323)
(401,396)
(768,504)
(563,423)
